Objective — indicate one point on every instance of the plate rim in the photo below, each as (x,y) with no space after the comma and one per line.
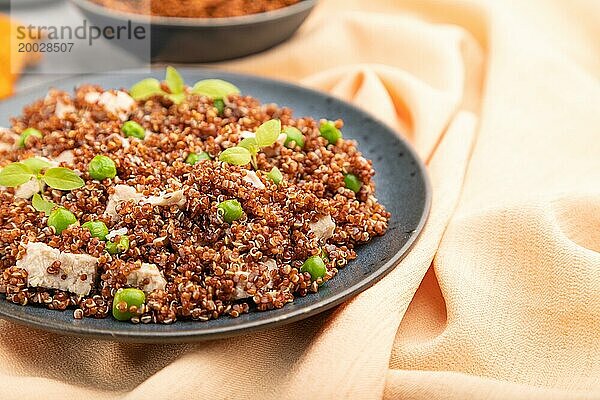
(189,336)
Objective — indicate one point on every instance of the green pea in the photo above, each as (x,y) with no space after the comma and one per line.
(194,158)
(125,299)
(102,167)
(330,132)
(61,219)
(133,129)
(98,229)
(116,248)
(231,210)
(315,266)
(352,182)
(293,137)
(25,135)
(219,105)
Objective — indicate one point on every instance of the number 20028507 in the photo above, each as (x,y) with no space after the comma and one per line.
(45,47)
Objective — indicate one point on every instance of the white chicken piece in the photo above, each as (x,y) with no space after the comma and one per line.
(5,134)
(175,198)
(281,138)
(252,178)
(122,194)
(240,287)
(92,97)
(323,228)
(247,134)
(119,104)
(62,109)
(125,193)
(28,189)
(117,232)
(66,156)
(149,272)
(78,270)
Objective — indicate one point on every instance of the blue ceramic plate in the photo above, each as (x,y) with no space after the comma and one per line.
(402,186)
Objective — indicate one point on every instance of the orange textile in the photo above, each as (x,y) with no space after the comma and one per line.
(9,54)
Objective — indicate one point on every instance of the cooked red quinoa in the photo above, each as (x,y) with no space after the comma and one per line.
(206,262)
(196,8)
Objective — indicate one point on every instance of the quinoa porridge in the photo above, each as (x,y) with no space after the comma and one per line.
(196,8)
(165,202)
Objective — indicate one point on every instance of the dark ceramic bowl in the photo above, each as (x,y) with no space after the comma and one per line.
(402,186)
(23,3)
(201,40)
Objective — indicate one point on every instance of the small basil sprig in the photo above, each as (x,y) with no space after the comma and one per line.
(150,87)
(215,89)
(62,179)
(236,156)
(176,85)
(247,150)
(267,133)
(250,144)
(18,173)
(145,89)
(174,80)
(42,205)
(15,174)
(37,164)
(275,175)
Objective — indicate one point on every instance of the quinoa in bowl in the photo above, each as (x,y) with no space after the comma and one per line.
(166,202)
(196,8)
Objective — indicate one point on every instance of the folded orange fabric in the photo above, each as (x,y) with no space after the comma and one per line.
(12,62)
(498,299)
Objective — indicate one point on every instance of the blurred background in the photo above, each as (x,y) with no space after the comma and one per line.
(49,39)
(50,66)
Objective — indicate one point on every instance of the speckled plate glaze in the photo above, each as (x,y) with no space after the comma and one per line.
(402,186)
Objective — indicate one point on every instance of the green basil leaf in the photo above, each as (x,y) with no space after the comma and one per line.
(251,144)
(267,133)
(36,164)
(40,204)
(176,98)
(145,89)
(275,175)
(62,179)
(15,174)
(214,88)
(174,81)
(236,156)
